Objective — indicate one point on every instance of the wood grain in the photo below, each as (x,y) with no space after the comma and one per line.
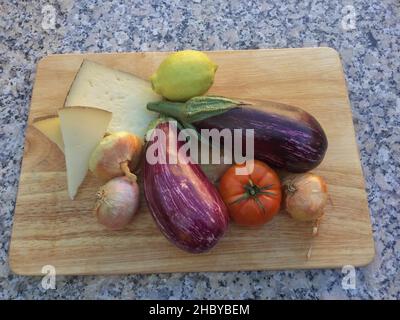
(51,229)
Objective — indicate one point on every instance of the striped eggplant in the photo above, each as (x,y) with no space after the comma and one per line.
(184,204)
(285,136)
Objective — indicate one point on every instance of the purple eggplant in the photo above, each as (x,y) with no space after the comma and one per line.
(286,137)
(185,205)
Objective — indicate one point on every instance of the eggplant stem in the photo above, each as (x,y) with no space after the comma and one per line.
(195,109)
(199,136)
(125,169)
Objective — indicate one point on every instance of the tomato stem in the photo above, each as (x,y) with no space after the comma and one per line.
(253,191)
(261,206)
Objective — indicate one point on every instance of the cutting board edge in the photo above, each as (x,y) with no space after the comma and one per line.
(367,259)
(360,263)
(368,256)
(78,54)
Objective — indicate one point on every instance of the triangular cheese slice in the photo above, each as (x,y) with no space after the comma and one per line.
(50,127)
(121,93)
(82,130)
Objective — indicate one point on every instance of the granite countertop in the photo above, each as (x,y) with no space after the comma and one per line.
(365,32)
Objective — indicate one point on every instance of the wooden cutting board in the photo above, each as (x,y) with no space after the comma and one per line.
(50,229)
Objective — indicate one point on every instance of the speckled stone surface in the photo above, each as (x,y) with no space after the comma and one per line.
(370,52)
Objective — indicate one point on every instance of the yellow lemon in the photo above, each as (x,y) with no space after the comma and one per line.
(184,75)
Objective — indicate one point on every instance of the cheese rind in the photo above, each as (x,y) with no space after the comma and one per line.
(50,127)
(82,130)
(121,93)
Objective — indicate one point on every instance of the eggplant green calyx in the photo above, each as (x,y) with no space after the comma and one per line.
(195,109)
(161,119)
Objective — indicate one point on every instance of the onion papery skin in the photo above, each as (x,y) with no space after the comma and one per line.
(115,149)
(117,204)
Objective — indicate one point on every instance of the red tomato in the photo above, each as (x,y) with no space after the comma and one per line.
(253,198)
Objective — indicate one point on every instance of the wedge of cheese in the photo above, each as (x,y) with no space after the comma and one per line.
(50,127)
(121,93)
(82,130)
